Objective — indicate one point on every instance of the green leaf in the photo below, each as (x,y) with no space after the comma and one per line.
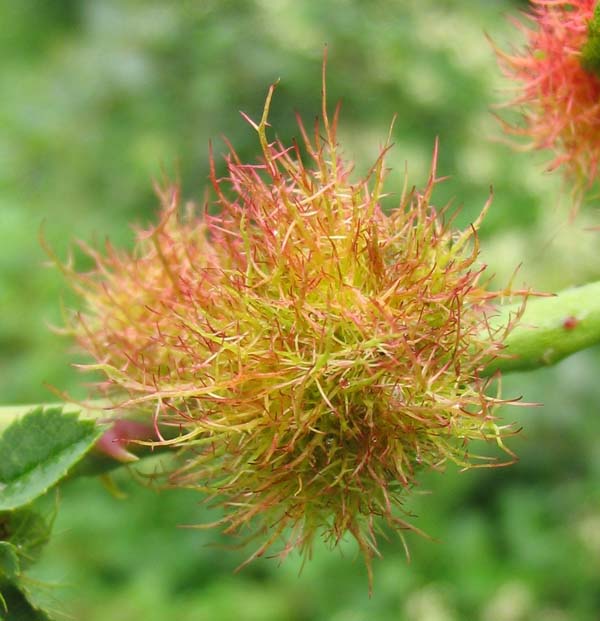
(10,567)
(38,450)
(27,532)
(23,534)
(16,606)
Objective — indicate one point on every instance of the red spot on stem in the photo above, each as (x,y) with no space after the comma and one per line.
(570,323)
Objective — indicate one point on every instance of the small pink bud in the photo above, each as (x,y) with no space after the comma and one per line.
(122,433)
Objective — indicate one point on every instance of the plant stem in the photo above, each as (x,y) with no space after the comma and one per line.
(550,329)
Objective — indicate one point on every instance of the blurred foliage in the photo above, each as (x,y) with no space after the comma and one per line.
(100,97)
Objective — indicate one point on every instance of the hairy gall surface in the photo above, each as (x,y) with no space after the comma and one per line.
(310,351)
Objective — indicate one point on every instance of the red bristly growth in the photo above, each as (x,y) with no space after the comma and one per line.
(558,86)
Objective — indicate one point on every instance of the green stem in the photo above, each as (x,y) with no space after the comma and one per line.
(550,329)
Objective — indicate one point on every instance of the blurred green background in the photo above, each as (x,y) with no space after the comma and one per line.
(100,97)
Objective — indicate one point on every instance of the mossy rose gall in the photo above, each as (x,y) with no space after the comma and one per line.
(311,351)
(557,82)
